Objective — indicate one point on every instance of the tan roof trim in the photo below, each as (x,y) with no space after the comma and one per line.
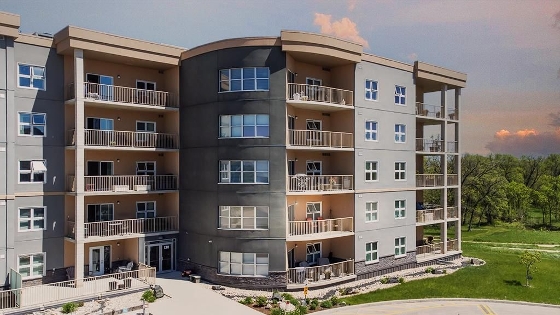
(387,62)
(435,73)
(295,41)
(231,43)
(116,45)
(35,40)
(9,24)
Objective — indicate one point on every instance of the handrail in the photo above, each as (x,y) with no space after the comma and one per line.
(428,110)
(321,273)
(124,183)
(126,227)
(131,139)
(319,93)
(319,138)
(303,183)
(429,145)
(429,215)
(321,226)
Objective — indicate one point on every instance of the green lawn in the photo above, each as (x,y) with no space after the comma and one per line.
(511,234)
(501,278)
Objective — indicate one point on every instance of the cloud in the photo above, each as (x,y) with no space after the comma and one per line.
(352,5)
(343,28)
(525,142)
(555,117)
(556,20)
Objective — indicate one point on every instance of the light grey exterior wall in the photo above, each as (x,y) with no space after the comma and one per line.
(385,151)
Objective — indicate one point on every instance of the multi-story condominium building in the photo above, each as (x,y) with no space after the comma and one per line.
(269,162)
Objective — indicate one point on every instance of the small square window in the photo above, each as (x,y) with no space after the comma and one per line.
(400,246)
(400,209)
(400,95)
(371,130)
(371,252)
(371,171)
(400,133)
(31,77)
(371,90)
(371,212)
(400,171)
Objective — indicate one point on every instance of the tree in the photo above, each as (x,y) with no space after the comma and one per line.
(532,170)
(528,260)
(519,198)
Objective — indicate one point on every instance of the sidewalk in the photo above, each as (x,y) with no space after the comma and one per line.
(189,298)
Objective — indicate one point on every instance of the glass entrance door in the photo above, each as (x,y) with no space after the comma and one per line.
(99,260)
(166,257)
(154,256)
(160,256)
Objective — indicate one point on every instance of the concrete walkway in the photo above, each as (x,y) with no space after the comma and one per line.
(446,307)
(189,298)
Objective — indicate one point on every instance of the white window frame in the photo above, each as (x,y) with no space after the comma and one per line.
(31,76)
(400,209)
(100,119)
(31,276)
(31,125)
(224,168)
(401,247)
(372,171)
(146,211)
(145,84)
(229,80)
(400,133)
(229,126)
(373,210)
(372,132)
(32,218)
(371,90)
(225,263)
(315,215)
(320,252)
(242,218)
(398,93)
(371,252)
(313,172)
(146,168)
(400,171)
(31,172)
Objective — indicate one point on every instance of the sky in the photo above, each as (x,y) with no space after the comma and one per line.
(509,49)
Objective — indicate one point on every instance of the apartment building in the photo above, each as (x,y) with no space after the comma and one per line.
(269,162)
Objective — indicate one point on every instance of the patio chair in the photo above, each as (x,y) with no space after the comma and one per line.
(128,267)
(322,261)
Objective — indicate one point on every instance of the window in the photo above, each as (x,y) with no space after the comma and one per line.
(244,172)
(371,252)
(371,130)
(400,95)
(244,79)
(145,126)
(31,77)
(313,168)
(371,171)
(371,90)
(400,209)
(400,170)
(32,124)
(244,126)
(313,210)
(31,266)
(243,264)
(400,133)
(32,219)
(146,168)
(243,218)
(313,252)
(400,246)
(100,212)
(371,212)
(145,209)
(99,123)
(33,171)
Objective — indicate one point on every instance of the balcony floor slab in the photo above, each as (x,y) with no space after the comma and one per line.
(120,105)
(317,236)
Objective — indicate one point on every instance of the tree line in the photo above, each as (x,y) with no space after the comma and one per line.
(505,188)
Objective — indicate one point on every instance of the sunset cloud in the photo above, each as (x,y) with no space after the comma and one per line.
(343,28)
(525,142)
(555,119)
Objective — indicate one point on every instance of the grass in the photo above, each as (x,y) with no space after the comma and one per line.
(511,233)
(501,278)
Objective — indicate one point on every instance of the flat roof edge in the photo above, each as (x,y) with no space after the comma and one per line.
(231,43)
(387,62)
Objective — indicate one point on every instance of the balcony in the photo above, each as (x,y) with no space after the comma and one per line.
(321,184)
(435,111)
(434,250)
(429,216)
(429,145)
(120,96)
(452,180)
(119,229)
(112,139)
(452,147)
(436,180)
(452,213)
(320,140)
(320,229)
(317,97)
(125,184)
(321,275)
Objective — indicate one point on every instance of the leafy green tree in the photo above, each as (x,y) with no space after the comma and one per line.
(548,197)
(529,259)
(509,166)
(532,169)
(519,199)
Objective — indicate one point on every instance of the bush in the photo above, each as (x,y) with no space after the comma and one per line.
(384,280)
(401,280)
(315,302)
(148,296)
(301,310)
(247,301)
(444,271)
(69,307)
(276,311)
(312,307)
(430,270)
(261,301)
(326,304)
(334,300)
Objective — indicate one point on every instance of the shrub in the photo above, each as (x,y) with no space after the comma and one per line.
(276,311)
(401,280)
(80,304)
(315,302)
(430,270)
(69,307)
(301,310)
(444,271)
(326,304)
(384,280)
(247,301)
(148,296)
(334,300)
(312,307)
(261,301)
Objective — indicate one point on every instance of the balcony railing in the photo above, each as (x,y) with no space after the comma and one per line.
(321,226)
(452,213)
(319,93)
(452,180)
(452,147)
(452,113)
(429,145)
(317,274)
(121,94)
(429,180)
(317,138)
(436,248)
(429,215)
(126,183)
(452,245)
(427,110)
(125,139)
(125,227)
(317,183)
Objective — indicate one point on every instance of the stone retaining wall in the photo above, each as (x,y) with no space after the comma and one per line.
(385,265)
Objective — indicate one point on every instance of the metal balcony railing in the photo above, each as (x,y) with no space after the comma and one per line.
(429,180)
(126,183)
(317,183)
(318,138)
(429,145)
(427,110)
(125,139)
(125,227)
(319,93)
(429,215)
(321,226)
(317,274)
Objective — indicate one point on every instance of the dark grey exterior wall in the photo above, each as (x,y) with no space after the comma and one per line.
(201,150)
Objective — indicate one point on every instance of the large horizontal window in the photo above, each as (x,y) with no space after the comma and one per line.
(244,126)
(243,218)
(32,219)
(244,79)
(33,171)
(243,264)
(31,77)
(244,172)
